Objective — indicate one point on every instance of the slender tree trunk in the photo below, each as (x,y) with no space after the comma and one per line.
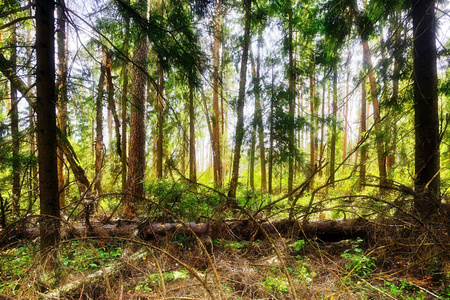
(333,129)
(240,105)
(112,112)
(217,160)
(271,132)
(291,93)
(99,147)
(426,107)
(192,154)
(137,163)
(62,94)
(258,114)
(15,134)
(124,157)
(252,155)
(347,83)
(322,128)
(381,155)
(312,142)
(160,126)
(362,131)
(46,128)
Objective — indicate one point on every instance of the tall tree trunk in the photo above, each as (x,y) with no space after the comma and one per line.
(426,108)
(347,83)
(240,105)
(322,127)
(112,112)
(291,93)
(258,114)
(192,154)
(312,142)
(217,159)
(99,147)
(333,129)
(124,157)
(160,126)
(271,131)
(362,131)
(381,155)
(62,94)
(136,171)
(46,128)
(15,136)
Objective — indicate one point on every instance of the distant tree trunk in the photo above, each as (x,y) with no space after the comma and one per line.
(62,94)
(217,159)
(192,154)
(312,142)
(15,135)
(381,155)
(362,131)
(333,129)
(136,171)
(258,115)
(124,157)
(112,112)
(291,94)
(322,128)
(347,83)
(99,147)
(160,126)
(271,132)
(240,105)
(251,170)
(46,128)
(426,107)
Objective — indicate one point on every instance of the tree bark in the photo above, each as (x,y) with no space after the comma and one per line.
(240,105)
(99,146)
(112,103)
(312,140)
(46,129)
(381,155)
(362,131)
(137,123)
(192,154)
(62,94)
(160,126)
(217,159)
(426,107)
(15,134)
(331,179)
(291,94)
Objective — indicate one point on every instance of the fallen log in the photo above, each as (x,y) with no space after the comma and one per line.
(321,230)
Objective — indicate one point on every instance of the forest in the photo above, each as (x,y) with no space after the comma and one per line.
(223,149)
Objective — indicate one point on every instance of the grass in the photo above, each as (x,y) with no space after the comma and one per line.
(342,270)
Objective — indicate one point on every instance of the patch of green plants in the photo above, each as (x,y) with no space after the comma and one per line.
(14,262)
(230,245)
(81,257)
(303,272)
(152,280)
(358,264)
(177,198)
(276,285)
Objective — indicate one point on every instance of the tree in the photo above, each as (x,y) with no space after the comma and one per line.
(426,108)
(15,134)
(46,128)
(99,147)
(239,136)
(217,160)
(62,93)
(137,122)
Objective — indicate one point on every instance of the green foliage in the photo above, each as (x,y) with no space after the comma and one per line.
(276,285)
(358,264)
(180,200)
(152,281)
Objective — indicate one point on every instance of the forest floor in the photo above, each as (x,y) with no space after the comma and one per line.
(178,266)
